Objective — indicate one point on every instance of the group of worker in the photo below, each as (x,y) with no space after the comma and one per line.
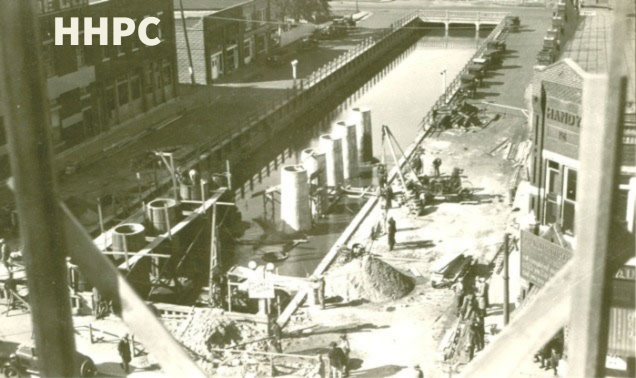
(549,355)
(339,357)
(471,307)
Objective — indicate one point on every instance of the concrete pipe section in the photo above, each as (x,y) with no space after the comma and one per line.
(347,131)
(163,214)
(294,198)
(364,134)
(129,237)
(332,148)
(314,161)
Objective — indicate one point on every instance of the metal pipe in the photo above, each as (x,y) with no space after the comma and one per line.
(26,109)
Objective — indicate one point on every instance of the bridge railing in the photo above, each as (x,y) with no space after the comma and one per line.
(449,16)
(451,89)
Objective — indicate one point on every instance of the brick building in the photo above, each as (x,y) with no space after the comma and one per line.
(555,117)
(223,35)
(93,88)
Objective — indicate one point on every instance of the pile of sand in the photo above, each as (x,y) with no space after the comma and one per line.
(208,328)
(368,279)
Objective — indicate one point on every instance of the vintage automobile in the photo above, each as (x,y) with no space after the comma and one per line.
(478,71)
(24,362)
(278,58)
(307,43)
(513,23)
(347,22)
(332,32)
(496,45)
(468,85)
(495,56)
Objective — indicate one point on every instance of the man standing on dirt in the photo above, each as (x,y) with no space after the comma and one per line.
(124,352)
(336,361)
(346,349)
(391,231)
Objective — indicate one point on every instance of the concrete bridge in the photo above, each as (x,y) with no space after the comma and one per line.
(461,17)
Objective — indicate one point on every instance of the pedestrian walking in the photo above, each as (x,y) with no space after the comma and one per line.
(124,352)
(10,287)
(346,349)
(336,361)
(436,164)
(480,295)
(391,231)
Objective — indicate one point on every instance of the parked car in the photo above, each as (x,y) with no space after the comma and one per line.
(307,43)
(278,58)
(24,362)
(347,22)
(332,32)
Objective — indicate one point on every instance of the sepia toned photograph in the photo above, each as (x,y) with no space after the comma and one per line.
(318,188)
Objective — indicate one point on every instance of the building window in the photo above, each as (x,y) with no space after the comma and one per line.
(47,59)
(167,74)
(120,49)
(552,193)
(569,201)
(65,4)
(135,87)
(79,54)
(248,21)
(261,17)
(110,101)
(134,39)
(122,90)
(148,78)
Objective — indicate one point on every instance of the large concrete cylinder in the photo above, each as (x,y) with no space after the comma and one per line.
(129,237)
(163,214)
(347,131)
(314,161)
(294,193)
(332,148)
(364,133)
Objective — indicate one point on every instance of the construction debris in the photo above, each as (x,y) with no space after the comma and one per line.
(368,279)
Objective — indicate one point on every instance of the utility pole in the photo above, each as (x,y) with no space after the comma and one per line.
(213,253)
(506,278)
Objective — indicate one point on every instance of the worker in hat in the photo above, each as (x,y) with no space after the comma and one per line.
(336,360)
(124,352)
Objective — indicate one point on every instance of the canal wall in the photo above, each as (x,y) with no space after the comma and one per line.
(426,130)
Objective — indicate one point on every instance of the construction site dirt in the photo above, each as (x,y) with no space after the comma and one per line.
(384,302)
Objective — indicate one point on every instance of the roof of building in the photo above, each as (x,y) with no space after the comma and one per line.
(208,4)
(590,45)
(564,92)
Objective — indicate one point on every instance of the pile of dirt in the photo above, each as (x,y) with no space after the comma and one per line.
(207,328)
(367,279)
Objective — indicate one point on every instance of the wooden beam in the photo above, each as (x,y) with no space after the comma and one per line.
(600,146)
(175,229)
(25,106)
(126,303)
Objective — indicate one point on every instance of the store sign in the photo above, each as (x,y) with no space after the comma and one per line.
(540,258)
(563,117)
(260,289)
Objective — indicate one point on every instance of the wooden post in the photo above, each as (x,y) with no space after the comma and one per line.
(25,106)
(213,252)
(506,279)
